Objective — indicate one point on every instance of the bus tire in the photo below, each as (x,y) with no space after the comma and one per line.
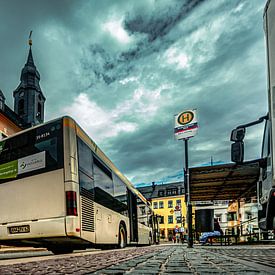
(150,239)
(61,250)
(122,237)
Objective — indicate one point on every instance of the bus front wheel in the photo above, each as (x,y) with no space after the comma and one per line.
(122,241)
(61,250)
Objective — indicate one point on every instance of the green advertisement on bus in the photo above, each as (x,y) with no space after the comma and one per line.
(9,170)
(23,165)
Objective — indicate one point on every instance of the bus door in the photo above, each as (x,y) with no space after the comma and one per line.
(132,208)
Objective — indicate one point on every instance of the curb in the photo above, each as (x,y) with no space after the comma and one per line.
(6,250)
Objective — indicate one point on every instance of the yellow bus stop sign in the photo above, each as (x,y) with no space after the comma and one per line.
(186,124)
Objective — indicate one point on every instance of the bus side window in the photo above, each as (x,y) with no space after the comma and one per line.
(86,182)
(266,148)
(120,196)
(85,159)
(260,188)
(104,189)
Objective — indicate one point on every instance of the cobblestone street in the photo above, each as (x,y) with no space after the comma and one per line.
(162,259)
(199,260)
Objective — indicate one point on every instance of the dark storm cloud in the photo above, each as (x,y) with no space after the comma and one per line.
(144,151)
(129,66)
(222,104)
(162,21)
(155,25)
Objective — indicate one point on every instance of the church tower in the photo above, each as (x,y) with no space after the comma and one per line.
(28,97)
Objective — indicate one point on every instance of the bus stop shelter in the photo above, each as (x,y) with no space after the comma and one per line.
(224,182)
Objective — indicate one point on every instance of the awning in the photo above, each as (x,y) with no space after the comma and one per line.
(223,182)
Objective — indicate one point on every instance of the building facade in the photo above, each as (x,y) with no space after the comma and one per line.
(243,217)
(168,201)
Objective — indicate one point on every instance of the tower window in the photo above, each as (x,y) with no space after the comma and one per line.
(21,104)
(39,110)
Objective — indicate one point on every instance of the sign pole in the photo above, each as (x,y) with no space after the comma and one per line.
(188,202)
(186,126)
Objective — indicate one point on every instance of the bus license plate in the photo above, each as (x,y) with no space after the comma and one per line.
(19,229)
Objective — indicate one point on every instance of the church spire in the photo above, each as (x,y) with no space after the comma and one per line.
(30,39)
(30,58)
(28,97)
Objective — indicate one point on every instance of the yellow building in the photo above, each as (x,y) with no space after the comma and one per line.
(232,217)
(169,203)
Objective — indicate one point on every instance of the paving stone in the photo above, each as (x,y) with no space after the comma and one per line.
(118,267)
(108,272)
(177,270)
(183,272)
(144,271)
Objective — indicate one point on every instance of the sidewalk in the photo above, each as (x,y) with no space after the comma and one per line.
(178,259)
(13,249)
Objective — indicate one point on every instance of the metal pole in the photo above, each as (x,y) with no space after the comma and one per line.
(187,190)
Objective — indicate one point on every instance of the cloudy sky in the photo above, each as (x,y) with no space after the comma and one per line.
(123,68)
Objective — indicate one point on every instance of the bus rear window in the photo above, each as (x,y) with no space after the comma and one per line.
(36,151)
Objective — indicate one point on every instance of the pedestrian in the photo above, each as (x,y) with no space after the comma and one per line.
(217,232)
(174,238)
(177,237)
(217,226)
(181,238)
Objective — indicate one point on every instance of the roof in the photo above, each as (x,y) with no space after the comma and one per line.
(12,116)
(224,182)
(152,191)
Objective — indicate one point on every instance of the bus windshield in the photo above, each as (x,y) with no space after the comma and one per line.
(33,152)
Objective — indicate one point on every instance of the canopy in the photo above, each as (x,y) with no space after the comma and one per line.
(224,182)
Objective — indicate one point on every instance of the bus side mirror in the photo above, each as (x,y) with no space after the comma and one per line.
(237,152)
(237,134)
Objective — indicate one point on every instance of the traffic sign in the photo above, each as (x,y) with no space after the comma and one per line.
(186,124)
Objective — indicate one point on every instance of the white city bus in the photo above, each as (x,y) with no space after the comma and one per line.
(59,190)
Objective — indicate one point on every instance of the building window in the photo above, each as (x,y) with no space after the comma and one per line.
(155,205)
(170,219)
(161,193)
(170,204)
(142,210)
(182,191)
(21,107)
(219,217)
(231,216)
(178,202)
(174,191)
(248,215)
(161,204)
(168,192)
(161,219)
(178,219)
